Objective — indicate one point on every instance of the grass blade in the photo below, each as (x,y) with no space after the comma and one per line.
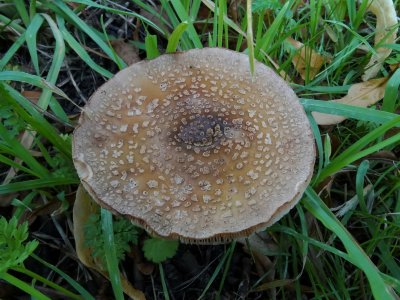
(391,99)
(163,282)
(152,11)
(22,153)
(58,111)
(31,79)
(121,12)
(272,31)
(83,26)
(250,44)
(76,46)
(32,9)
(355,152)
(318,142)
(213,39)
(194,10)
(13,25)
(112,263)
(226,269)
(166,7)
(57,60)
(151,46)
(317,207)
(17,166)
(11,51)
(23,286)
(183,15)
(361,113)
(22,11)
(30,37)
(80,289)
(27,112)
(220,23)
(175,36)
(36,184)
(217,270)
(310,240)
(360,176)
(45,281)
(233,25)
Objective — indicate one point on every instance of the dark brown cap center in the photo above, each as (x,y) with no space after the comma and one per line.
(202,131)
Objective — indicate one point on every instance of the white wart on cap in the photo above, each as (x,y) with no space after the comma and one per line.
(191,146)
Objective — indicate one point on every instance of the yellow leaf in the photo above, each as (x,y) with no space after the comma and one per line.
(360,94)
(386,33)
(84,206)
(306,59)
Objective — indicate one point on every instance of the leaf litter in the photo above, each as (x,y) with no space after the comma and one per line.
(361,94)
(306,61)
(385,33)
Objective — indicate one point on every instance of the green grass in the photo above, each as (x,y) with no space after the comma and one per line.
(350,252)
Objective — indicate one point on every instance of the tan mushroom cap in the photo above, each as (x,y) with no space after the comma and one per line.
(191,146)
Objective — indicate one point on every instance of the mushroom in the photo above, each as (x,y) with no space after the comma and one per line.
(191,146)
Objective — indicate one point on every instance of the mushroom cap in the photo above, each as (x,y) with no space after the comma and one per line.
(192,146)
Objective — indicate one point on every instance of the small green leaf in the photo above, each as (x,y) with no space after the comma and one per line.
(13,249)
(158,250)
(151,46)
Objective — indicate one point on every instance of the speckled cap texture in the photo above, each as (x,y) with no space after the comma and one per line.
(191,146)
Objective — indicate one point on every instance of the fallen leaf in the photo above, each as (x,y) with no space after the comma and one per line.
(386,21)
(32,95)
(361,94)
(306,59)
(394,67)
(126,51)
(84,206)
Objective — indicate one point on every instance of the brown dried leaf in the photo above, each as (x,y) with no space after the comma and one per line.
(84,206)
(305,56)
(360,94)
(126,51)
(32,95)
(386,20)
